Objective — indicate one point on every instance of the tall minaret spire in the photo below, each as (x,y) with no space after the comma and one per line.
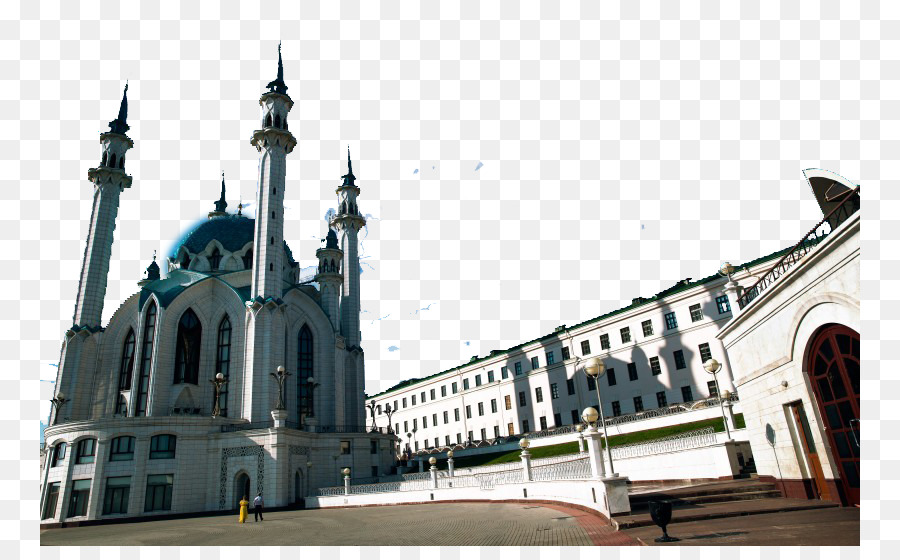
(109,180)
(220,204)
(263,352)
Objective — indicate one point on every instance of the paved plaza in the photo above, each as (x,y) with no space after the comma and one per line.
(459,524)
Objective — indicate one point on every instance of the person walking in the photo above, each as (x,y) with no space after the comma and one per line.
(244,505)
(257,508)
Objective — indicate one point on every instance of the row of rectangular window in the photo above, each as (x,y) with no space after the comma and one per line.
(638,403)
(115,499)
(120,449)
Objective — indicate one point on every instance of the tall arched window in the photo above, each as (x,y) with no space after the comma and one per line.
(112,160)
(103,158)
(121,405)
(304,372)
(223,361)
(122,162)
(248,258)
(127,364)
(185,261)
(146,357)
(268,120)
(187,349)
(277,121)
(214,259)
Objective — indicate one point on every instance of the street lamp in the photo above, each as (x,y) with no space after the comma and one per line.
(57,401)
(596,369)
(713,366)
(218,382)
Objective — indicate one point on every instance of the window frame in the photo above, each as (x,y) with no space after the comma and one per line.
(85,456)
(696,312)
(162,453)
(671,321)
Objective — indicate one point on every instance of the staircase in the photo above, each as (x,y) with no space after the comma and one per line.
(714,500)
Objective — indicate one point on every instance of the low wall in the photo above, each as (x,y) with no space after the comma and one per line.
(718,460)
(589,493)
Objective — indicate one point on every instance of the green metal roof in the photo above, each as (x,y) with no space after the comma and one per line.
(679,287)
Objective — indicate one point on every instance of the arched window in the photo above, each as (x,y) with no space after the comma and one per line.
(86,451)
(187,349)
(248,258)
(103,158)
(343,207)
(162,446)
(146,356)
(333,266)
(268,120)
(121,405)
(185,261)
(122,162)
(59,454)
(223,362)
(127,364)
(304,372)
(121,448)
(112,160)
(215,259)
(277,121)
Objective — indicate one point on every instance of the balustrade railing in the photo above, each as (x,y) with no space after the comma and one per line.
(580,468)
(669,410)
(676,442)
(848,206)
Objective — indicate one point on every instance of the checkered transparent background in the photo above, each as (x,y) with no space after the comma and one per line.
(625,146)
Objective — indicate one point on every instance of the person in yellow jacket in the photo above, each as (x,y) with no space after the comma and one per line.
(244,505)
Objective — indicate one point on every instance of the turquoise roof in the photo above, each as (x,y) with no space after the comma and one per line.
(232,231)
(167,289)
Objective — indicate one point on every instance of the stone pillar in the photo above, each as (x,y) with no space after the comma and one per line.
(734,292)
(526,465)
(581,442)
(729,407)
(139,478)
(347,485)
(279,486)
(280,417)
(434,478)
(450,466)
(595,450)
(616,490)
(98,487)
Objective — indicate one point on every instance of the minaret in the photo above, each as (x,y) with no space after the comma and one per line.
(265,342)
(273,142)
(109,180)
(329,277)
(348,222)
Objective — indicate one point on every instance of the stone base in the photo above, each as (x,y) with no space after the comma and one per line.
(617,494)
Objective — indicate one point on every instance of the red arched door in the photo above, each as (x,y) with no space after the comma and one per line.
(834,373)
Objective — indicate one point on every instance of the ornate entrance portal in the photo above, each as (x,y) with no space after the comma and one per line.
(833,370)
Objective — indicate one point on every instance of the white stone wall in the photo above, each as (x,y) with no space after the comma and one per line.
(768,344)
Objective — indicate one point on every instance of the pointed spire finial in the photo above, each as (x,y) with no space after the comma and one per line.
(220,204)
(349,178)
(278,85)
(119,126)
(240,206)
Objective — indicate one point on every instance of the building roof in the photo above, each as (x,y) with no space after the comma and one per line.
(232,231)
(637,302)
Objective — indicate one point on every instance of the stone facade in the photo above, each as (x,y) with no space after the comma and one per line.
(136,403)
(770,345)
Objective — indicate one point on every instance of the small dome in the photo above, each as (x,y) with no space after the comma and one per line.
(233,232)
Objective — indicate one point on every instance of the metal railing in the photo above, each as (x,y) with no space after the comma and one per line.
(848,206)
(559,459)
(579,468)
(677,442)
(262,424)
(669,410)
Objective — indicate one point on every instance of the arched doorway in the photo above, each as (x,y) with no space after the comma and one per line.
(833,370)
(299,487)
(241,488)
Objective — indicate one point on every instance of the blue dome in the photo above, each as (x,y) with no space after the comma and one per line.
(231,231)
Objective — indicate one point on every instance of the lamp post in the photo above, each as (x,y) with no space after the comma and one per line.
(346,473)
(389,412)
(713,366)
(433,470)
(450,463)
(280,376)
(218,382)
(57,402)
(371,407)
(525,443)
(590,415)
(596,369)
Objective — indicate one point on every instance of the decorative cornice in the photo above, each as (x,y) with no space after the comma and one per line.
(269,135)
(104,175)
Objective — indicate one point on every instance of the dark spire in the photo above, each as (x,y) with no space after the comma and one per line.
(119,126)
(153,269)
(221,204)
(278,85)
(349,178)
(331,240)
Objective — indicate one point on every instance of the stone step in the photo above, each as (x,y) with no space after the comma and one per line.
(699,512)
(712,498)
(743,486)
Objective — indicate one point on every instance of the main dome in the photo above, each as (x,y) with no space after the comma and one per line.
(232,231)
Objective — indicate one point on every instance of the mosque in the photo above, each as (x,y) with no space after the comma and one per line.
(231,376)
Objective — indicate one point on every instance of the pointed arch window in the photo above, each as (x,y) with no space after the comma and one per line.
(268,120)
(122,162)
(146,357)
(112,160)
(304,372)
(277,121)
(187,349)
(248,258)
(223,362)
(185,261)
(103,158)
(215,259)
(127,365)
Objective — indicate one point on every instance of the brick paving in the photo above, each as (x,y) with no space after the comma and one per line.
(450,524)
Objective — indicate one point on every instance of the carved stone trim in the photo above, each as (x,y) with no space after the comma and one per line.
(249,450)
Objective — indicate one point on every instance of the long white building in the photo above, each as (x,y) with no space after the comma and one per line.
(653,349)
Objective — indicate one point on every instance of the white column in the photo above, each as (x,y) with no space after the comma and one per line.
(450,467)
(526,465)
(434,482)
(347,485)
(595,449)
